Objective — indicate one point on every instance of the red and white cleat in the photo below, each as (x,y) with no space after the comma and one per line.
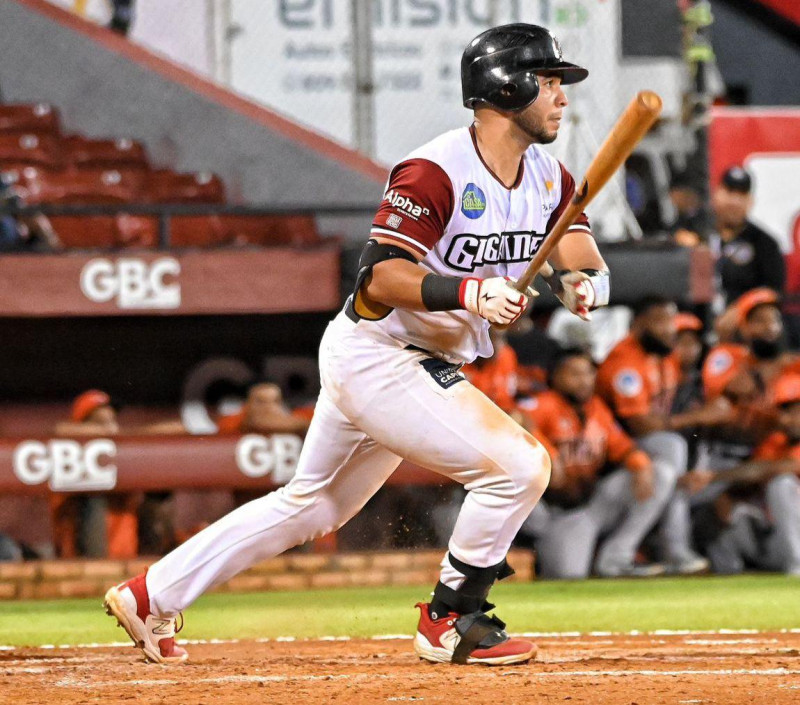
(469,638)
(155,636)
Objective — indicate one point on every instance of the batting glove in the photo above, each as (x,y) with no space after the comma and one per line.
(493,299)
(581,291)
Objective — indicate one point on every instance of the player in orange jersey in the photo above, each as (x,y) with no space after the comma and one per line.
(761,530)
(638,380)
(582,502)
(744,373)
(496,376)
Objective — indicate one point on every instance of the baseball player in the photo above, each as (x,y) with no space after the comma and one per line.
(744,373)
(761,531)
(460,218)
(638,380)
(581,436)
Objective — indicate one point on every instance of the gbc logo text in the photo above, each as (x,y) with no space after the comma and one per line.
(67,465)
(134,283)
(275,455)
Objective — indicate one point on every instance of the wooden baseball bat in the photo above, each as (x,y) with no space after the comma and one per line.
(631,126)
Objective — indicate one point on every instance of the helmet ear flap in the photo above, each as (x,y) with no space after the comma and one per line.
(517,92)
(508,90)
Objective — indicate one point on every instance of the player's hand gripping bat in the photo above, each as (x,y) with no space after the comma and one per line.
(631,126)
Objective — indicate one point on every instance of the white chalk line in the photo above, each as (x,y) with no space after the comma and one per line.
(393,637)
(54,666)
(649,673)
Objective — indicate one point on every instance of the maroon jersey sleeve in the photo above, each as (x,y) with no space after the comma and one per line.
(417,205)
(567,192)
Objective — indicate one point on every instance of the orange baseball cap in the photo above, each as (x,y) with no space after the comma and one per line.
(787,389)
(86,403)
(753,298)
(687,321)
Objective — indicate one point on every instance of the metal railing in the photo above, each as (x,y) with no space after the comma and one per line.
(164,212)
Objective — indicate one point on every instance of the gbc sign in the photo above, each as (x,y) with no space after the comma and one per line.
(276,455)
(133,282)
(67,465)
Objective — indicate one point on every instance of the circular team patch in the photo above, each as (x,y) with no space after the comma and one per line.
(473,201)
(719,362)
(628,383)
(741,253)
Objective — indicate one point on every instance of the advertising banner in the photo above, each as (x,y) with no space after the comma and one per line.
(36,466)
(274,280)
(766,141)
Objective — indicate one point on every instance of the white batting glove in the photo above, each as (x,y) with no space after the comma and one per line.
(493,299)
(581,292)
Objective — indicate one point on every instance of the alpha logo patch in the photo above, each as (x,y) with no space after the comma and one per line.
(628,383)
(473,202)
(443,373)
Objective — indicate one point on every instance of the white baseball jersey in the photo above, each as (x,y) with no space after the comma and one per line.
(445,202)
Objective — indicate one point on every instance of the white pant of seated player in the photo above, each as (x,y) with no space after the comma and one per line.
(566,539)
(378,404)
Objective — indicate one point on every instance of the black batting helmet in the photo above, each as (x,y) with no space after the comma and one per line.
(499,66)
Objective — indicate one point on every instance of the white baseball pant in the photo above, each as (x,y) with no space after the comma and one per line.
(378,404)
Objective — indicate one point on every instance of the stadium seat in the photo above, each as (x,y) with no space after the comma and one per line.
(19,150)
(165,186)
(93,186)
(198,231)
(122,230)
(271,230)
(40,118)
(83,152)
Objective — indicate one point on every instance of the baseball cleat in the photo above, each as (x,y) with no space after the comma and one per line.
(691,564)
(468,638)
(631,570)
(155,636)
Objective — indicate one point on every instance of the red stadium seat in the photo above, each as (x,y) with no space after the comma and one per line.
(80,186)
(106,231)
(271,230)
(111,154)
(198,231)
(40,118)
(165,186)
(18,150)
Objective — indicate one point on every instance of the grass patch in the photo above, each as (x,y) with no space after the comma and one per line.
(765,602)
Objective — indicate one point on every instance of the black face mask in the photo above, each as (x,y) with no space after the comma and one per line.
(653,345)
(766,349)
(572,399)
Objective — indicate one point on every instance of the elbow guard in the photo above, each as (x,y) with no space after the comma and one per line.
(358,305)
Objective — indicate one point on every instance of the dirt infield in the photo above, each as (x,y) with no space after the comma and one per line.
(626,669)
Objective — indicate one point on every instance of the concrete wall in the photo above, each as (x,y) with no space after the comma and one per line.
(104,86)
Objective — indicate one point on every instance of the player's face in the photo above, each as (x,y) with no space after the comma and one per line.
(790,421)
(575,378)
(659,322)
(104,416)
(688,349)
(542,118)
(263,399)
(763,323)
(730,207)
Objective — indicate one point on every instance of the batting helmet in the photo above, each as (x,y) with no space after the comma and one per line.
(499,66)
